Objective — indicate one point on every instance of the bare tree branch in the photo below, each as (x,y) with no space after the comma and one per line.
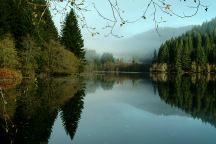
(117,18)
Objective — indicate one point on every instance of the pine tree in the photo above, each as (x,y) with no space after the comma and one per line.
(208,47)
(20,20)
(201,58)
(30,19)
(193,51)
(71,35)
(4,16)
(177,60)
(163,54)
(44,28)
(186,60)
(155,57)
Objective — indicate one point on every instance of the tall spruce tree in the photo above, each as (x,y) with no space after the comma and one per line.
(44,28)
(20,20)
(163,54)
(178,54)
(4,17)
(201,58)
(186,60)
(71,35)
(208,47)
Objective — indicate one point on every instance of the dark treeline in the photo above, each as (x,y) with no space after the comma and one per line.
(195,94)
(29,41)
(194,51)
(29,110)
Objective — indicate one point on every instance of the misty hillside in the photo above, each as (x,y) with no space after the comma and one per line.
(142,46)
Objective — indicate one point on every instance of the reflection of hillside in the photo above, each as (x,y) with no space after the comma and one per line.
(136,91)
(195,94)
(35,108)
(107,80)
(194,77)
(141,96)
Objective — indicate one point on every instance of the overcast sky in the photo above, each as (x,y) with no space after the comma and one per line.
(133,10)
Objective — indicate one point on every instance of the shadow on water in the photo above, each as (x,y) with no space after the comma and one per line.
(28,111)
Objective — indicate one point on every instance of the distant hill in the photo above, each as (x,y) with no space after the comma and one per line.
(142,46)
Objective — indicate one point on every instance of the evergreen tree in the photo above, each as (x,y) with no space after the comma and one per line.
(44,28)
(154,57)
(71,35)
(163,54)
(208,47)
(4,15)
(193,51)
(201,58)
(20,20)
(177,58)
(186,60)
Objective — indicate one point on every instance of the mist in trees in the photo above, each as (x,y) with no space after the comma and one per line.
(106,62)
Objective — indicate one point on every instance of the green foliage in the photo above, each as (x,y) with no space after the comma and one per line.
(57,60)
(33,30)
(163,54)
(186,59)
(192,51)
(8,54)
(19,20)
(4,16)
(71,35)
(28,57)
(32,108)
(41,19)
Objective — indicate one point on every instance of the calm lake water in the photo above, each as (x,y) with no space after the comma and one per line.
(123,109)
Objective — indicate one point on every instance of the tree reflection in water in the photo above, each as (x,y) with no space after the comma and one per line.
(32,108)
(28,110)
(194,94)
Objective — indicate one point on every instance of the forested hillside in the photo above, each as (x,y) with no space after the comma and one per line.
(29,41)
(194,51)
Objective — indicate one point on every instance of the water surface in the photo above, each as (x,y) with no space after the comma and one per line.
(108,109)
